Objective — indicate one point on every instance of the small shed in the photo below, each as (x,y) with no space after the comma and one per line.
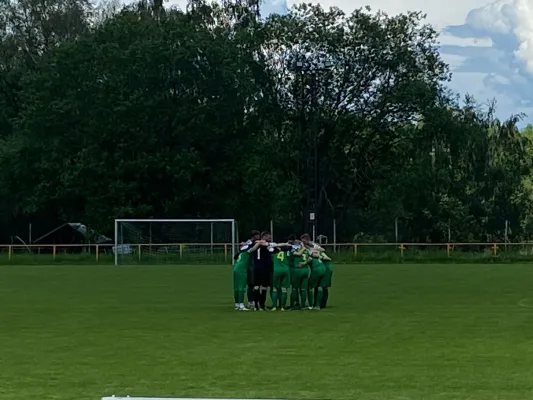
(71,233)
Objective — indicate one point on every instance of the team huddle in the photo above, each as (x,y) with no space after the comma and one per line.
(299,265)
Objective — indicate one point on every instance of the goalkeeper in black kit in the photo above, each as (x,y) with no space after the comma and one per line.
(262,271)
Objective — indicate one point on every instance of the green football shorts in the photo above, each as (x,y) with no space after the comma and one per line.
(239,280)
(326,282)
(281,278)
(317,277)
(300,278)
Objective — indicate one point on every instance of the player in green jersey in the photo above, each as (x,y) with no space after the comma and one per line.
(294,246)
(280,282)
(326,284)
(240,273)
(299,275)
(317,252)
(316,279)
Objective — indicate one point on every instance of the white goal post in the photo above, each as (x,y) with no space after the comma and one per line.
(174,241)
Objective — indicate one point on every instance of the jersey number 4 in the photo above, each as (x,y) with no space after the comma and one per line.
(281,256)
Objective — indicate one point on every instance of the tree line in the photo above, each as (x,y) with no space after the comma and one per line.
(111,111)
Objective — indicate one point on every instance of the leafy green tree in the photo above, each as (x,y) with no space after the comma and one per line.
(213,112)
(384,72)
(152,123)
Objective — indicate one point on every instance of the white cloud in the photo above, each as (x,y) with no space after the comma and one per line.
(450,40)
(524,32)
(507,17)
(489,47)
(454,61)
(503,70)
(498,17)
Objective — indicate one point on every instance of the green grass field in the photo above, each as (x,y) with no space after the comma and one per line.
(393,332)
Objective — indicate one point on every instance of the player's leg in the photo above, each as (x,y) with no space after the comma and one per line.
(274,297)
(327,284)
(311,290)
(265,281)
(325,297)
(250,290)
(289,291)
(271,286)
(263,291)
(250,296)
(285,283)
(239,286)
(294,290)
(257,288)
(318,300)
(295,301)
(242,289)
(266,284)
(236,289)
(275,289)
(304,287)
(320,290)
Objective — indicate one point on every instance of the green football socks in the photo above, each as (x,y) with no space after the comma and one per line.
(311,296)
(303,294)
(319,295)
(294,297)
(325,297)
(274,296)
(283,299)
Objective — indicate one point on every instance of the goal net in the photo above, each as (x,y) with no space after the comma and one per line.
(174,241)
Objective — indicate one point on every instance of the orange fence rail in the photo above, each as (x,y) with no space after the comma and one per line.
(181,250)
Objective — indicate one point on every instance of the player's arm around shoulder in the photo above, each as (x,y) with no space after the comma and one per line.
(324,257)
(256,245)
(300,251)
(314,253)
(284,246)
(316,247)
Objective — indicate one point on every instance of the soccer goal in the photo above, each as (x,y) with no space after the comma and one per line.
(174,241)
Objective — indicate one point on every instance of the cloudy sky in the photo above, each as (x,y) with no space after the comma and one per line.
(489,46)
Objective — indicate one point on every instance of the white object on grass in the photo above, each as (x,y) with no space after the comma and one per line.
(171,398)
